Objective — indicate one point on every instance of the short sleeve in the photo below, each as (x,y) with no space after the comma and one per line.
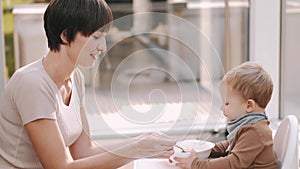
(34,97)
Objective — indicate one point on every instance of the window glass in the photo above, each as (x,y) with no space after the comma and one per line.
(165,63)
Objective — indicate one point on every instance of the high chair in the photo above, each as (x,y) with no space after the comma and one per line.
(286,143)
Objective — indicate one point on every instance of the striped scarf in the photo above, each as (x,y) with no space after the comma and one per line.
(235,125)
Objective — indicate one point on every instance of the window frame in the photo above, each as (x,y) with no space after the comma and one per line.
(264,44)
(2,53)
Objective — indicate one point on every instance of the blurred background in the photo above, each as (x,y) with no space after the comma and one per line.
(175,64)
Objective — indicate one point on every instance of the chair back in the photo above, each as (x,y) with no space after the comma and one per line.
(286,143)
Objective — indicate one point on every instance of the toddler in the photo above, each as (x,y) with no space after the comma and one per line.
(246,91)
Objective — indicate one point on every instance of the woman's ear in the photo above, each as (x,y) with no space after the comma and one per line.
(63,36)
(251,104)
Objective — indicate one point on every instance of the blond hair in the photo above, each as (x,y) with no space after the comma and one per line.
(251,81)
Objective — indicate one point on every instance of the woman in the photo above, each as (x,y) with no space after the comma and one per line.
(43,121)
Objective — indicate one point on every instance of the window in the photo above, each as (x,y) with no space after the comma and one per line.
(162,72)
(154,60)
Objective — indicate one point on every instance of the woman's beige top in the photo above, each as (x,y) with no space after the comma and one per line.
(252,148)
(30,95)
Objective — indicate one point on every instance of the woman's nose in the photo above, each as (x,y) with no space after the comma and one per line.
(101,48)
(97,51)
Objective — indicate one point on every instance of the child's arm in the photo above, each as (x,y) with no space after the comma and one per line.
(248,146)
(219,150)
(186,163)
(243,153)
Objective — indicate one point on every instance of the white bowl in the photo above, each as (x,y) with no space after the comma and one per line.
(179,154)
(202,147)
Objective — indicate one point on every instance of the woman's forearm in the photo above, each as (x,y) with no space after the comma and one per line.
(105,160)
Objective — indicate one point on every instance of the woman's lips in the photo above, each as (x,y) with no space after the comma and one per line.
(94,57)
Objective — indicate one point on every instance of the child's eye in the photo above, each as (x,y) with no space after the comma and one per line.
(226,104)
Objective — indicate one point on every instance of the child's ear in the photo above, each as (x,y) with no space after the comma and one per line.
(250,105)
(63,37)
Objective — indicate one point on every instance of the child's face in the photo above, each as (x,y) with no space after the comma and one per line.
(234,106)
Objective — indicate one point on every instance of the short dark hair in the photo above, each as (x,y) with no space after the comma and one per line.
(74,16)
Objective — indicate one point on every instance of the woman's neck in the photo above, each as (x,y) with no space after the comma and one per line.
(59,67)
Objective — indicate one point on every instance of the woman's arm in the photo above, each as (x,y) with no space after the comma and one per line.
(84,147)
(50,148)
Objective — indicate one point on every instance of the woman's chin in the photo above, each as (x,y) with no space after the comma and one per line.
(87,65)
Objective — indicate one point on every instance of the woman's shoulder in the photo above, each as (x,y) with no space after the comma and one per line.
(32,75)
(28,72)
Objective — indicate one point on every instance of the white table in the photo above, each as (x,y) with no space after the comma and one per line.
(153,163)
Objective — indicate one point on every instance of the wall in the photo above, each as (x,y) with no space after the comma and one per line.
(290,90)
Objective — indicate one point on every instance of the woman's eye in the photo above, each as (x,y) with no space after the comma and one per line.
(96,37)
(226,104)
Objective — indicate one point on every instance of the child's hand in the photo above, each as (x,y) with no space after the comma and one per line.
(186,163)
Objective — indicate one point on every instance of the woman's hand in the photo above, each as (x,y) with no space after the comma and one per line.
(186,163)
(152,145)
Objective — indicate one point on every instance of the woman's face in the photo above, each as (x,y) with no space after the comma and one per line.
(90,48)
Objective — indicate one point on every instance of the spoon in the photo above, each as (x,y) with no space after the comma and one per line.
(182,150)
